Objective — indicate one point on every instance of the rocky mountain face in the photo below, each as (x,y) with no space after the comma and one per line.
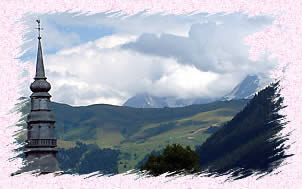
(247,88)
(149,101)
(244,90)
(146,101)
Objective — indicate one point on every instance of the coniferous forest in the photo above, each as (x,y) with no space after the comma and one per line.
(246,144)
(84,159)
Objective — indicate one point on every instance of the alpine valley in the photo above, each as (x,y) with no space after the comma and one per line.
(115,139)
(128,134)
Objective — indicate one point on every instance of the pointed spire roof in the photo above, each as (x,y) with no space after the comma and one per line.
(40,73)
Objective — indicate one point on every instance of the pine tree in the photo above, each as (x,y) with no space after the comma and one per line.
(175,159)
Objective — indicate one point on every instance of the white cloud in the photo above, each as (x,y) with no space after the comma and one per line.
(113,41)
(186,82)
(176,56)
(209,47)
(112,75)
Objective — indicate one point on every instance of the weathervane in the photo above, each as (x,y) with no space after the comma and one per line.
(38,21)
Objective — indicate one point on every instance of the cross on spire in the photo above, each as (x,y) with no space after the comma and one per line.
(39,28)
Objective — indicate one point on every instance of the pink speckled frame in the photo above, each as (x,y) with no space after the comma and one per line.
(282,40)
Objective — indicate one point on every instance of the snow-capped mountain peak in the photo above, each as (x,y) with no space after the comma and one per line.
(245,89)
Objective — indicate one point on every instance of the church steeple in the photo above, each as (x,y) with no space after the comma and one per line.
(40,84)
(41,140)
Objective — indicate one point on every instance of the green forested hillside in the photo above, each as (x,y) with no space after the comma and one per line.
(85,159)
(132,133)
(244,144)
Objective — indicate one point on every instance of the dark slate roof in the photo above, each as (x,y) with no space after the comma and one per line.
(40,74)
(40,84)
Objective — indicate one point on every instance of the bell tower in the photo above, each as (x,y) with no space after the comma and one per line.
(41,140)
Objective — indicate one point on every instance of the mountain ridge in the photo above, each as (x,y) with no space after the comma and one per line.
(134,130)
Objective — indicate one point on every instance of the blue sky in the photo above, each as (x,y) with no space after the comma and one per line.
(107,59)
(85,33)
